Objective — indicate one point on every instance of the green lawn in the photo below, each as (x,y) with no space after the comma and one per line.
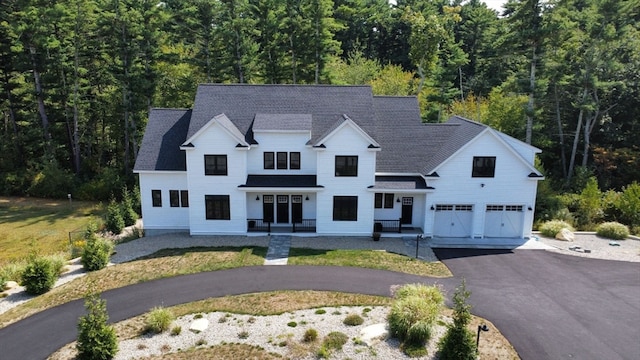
(41,225)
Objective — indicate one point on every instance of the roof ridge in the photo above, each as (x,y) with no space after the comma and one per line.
(172,109)
(285,85)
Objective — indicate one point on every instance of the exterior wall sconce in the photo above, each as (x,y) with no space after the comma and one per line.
(307,198)
(482,185)
(398,200)
(481,328)
(257,197)
(529,208)
(432,208)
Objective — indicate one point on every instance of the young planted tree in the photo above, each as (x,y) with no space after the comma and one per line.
(96,339)
(457,343)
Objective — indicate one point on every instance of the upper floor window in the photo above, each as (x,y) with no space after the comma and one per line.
(269,162)
(484,166)
(215,164)
(346,165)
(294,161)
(156,198)
(282,160)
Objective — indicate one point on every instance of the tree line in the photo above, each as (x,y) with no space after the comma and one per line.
(78,77)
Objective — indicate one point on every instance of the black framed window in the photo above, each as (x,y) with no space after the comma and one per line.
(388,201)
(184,198)
(156,198)
(377,203)
(484,166)
(346,165)
(215,164)
(345,208)
(282,160)
(174,198)
(269,162)
(294,161)
(217,207)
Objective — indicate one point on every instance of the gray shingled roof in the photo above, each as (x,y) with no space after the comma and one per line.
(281,181)
(160,149)
(408,145)
(400,183)
(286,122)
(325,103)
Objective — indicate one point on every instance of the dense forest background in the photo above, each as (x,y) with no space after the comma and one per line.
(78,77)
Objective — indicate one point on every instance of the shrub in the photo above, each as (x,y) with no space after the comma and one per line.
(353,320)
(176,330)
(51,182)
(115,221)
(127,211)
(158,320)
(96,253)
(310,335)
(39,275)
(335,340)
(292,324)
(613,230)
(629,204)
(553,227)
(96,339)
(458,342)
(320,311)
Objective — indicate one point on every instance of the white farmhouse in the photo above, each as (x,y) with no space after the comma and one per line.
(330,160)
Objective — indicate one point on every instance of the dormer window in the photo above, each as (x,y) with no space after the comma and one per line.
(484,166)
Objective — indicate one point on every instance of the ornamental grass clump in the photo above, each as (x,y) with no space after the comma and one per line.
(158,320)
(613,230)
(353,320)
(553,227)
(412,316)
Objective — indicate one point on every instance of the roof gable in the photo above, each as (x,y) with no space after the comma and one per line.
(341,124)
(223,121)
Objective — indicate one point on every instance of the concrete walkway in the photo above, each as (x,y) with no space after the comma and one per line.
(278,251)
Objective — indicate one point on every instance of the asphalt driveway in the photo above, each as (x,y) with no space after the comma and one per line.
(550,306)
(554,306)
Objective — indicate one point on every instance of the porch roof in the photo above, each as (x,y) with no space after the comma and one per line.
(281,181)
(407,183)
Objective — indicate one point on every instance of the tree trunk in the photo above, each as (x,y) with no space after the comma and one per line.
(532,87)
(563,155)
(12,118)
(576,137)
(40,98)
(75,138)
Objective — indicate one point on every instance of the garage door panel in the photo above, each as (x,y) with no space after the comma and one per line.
(453,220)
(504,221)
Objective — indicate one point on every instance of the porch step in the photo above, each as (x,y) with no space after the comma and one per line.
(278,252)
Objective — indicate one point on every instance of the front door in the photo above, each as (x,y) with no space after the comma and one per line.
(296,208)
(407,210)
(283,209)
(267,208)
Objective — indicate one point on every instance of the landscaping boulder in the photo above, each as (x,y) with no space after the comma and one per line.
(199,325)
(374,333)
(10,285)
(565,235)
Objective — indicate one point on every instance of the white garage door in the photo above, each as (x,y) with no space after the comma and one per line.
(453,220)
(503,221)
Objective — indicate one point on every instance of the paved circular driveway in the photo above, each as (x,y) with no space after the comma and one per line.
(550,306)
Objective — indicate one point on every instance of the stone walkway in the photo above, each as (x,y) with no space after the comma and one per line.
(278,252)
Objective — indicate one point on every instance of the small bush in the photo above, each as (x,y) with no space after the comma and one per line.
(96,253)
(335,340)
(553,227)
(310,335)
(320,311)
(96,339)
(353,320)
(613,230)
(176,330)
(127,211)
(39,275)
(292,324)
(158,320)
(115,221)
(243,334)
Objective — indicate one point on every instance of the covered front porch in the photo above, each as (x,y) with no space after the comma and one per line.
(281,203)
(399,204)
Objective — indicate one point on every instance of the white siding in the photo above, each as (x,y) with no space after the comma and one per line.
(215,141)
(165,218)
(347,141)
(284,142)
(510,185)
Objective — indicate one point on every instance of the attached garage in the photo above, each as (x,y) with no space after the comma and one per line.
(503,221)
(453,220)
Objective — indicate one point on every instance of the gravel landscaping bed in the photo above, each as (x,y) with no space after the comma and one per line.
(598,247)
